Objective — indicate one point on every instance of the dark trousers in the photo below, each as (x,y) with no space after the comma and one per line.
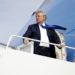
(45,51)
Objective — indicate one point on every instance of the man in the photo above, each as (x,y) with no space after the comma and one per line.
(36,31)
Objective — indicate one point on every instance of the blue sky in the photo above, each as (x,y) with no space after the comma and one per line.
(63,14)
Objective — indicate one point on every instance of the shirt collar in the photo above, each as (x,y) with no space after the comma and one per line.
(42,24)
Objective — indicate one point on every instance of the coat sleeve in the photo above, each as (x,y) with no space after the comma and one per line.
(28,33)
(56,38)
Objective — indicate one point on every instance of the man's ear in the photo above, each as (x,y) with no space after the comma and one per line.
(45,16)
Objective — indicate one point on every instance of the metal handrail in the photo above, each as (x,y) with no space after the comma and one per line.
(10,38)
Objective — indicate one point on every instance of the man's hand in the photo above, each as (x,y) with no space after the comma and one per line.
(26,41)
(61,45)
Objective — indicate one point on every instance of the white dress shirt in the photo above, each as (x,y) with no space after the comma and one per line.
(44,36)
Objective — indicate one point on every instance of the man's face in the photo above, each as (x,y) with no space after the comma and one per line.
(40,18)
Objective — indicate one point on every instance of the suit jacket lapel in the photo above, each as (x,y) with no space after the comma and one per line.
(49,35)
(38,31)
